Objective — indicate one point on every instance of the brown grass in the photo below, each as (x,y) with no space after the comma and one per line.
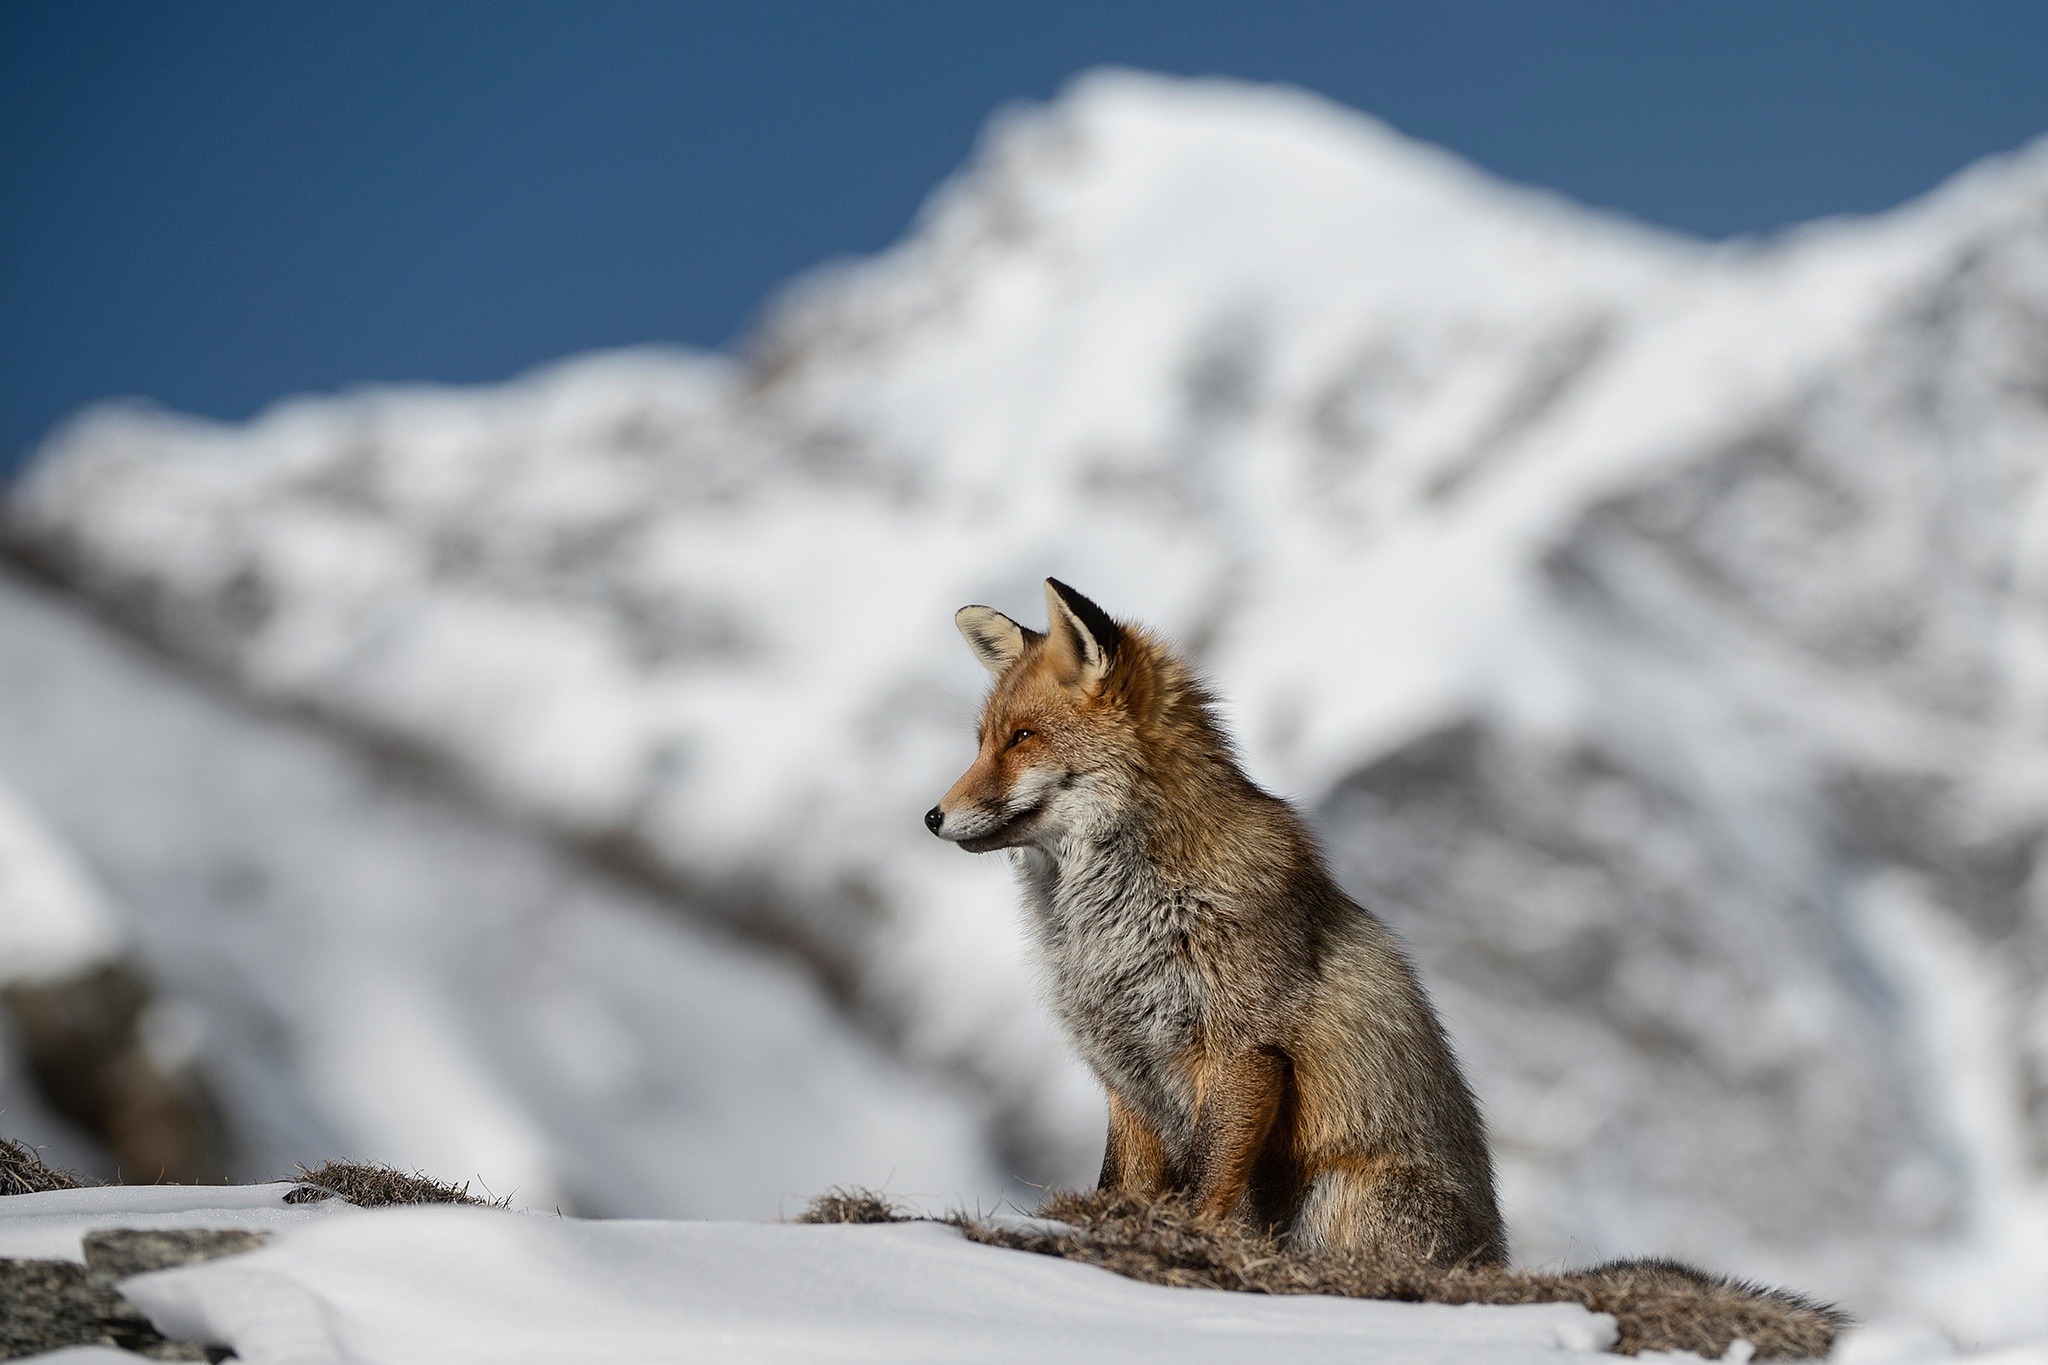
(370,1185)
(365,1184)
(843,1204)
(1658,1305)
(23,1172)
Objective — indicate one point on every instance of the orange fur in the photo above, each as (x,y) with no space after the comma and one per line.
(1265,1045)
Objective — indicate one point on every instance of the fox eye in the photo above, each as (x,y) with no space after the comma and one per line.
(1020,737)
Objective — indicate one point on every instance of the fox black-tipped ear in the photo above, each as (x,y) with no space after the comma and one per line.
(995,639)
(1082,631)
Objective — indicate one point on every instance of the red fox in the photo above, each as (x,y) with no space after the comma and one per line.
(1266,1047)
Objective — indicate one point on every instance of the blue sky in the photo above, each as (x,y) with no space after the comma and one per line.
(212,205)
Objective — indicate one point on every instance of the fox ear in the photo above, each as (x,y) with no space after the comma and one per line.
(995,639)
(1087,640)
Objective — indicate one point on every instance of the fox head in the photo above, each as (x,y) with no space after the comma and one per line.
(1080,720)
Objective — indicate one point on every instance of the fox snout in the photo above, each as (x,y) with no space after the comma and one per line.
(954,829)
(975,826)
(935,821)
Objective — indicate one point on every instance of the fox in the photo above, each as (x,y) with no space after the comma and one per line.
(1267,1050)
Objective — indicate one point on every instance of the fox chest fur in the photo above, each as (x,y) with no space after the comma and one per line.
(1135,971)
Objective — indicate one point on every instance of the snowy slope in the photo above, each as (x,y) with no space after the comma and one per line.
(53,921)
(369,971)
(1657,632)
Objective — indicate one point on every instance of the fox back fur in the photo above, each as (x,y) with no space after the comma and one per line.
(1266,1048)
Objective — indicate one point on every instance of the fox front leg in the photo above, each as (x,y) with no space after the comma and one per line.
(1238,1101)
(1134,1158)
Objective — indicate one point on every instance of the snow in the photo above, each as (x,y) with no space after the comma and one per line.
(1968,1003)
(368,970)
(446,1285)
(1623,609)
(51,1226)
(54,922)
(469,1286)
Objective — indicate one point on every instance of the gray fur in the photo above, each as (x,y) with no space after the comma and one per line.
(1190,936)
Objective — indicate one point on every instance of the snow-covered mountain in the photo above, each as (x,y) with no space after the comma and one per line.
(362,967)
(1659,633)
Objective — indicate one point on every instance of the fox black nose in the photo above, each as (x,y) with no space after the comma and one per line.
(933,818)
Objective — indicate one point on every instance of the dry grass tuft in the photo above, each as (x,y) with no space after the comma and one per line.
(369,1185)
(851,1204)
(23,1172)
(1658,1305)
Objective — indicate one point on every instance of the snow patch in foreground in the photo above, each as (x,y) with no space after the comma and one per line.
(51,1226)
(449,1285)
